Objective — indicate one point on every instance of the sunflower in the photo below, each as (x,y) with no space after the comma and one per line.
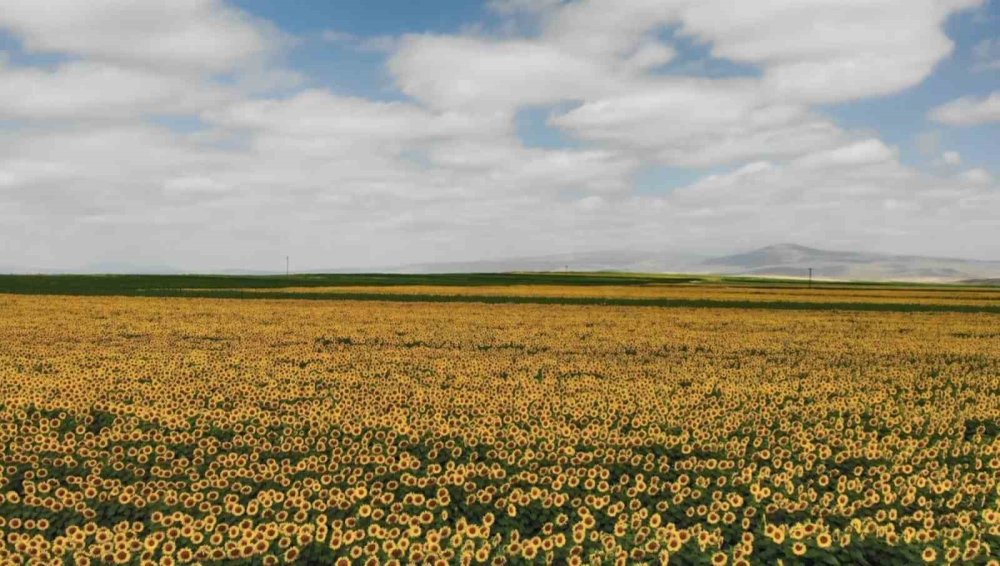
(674,544)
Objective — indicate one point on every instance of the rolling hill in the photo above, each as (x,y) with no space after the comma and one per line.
(781,260)
(790,260)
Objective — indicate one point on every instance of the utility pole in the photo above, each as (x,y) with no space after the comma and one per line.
(286,267)
(810,278)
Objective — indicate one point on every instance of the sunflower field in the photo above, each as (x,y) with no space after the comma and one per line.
(139,430)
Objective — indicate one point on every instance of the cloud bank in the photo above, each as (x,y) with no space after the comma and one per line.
(969,110)
(173,133)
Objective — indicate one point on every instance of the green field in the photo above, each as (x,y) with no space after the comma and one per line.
(271,287)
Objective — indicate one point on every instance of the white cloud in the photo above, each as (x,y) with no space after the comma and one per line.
(812,50)
(86,90)
(651,54)
(126,60)
(7,179)
(861,153)
(489,75)
(873,202)
(969,110)
(978,176)
(600,53)
(347,181)
(700,123)
(826,51)
(194,185)
(951,158)
(352,120)
(181,35)
(591,203)
(511,168)
(193,205)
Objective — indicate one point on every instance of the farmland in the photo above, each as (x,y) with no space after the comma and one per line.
(497,419)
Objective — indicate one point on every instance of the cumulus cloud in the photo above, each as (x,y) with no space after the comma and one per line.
(814,50)
(969,110)
(599,55)
(89,90)
(353,120)
(822,51)
(185,35)
(856,154)
(700,123)
(977,176)
(125,60)
(876,200)
(491,75)
(444,173)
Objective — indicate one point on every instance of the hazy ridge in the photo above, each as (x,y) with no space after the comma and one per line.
(781,260)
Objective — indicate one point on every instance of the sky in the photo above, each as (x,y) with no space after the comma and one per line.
(209,134)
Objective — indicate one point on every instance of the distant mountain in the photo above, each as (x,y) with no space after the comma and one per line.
(125,268)
(790,260)
(782,260)
(631,261)
(995,282)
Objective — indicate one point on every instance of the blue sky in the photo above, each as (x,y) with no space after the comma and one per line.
(899,119)
(342,67)
(369,18)
(227,132)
